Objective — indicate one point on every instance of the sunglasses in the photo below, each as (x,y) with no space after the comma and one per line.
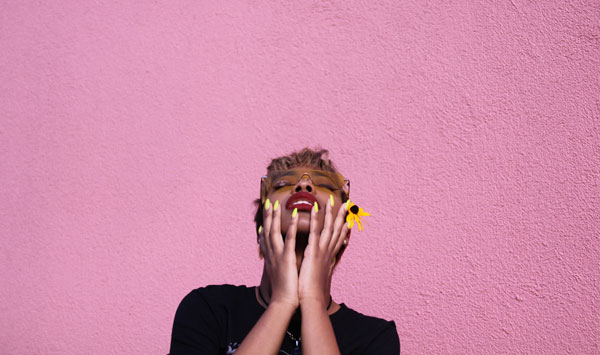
(285,180)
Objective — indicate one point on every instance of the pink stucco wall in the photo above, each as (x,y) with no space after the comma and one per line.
(133,136)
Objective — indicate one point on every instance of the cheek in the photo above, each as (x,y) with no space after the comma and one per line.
(286,218)
(336,209)
(304,222)
(273,198)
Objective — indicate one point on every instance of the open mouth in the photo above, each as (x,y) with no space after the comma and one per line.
(302,200)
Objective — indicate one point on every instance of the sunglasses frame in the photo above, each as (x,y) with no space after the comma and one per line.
(264,188)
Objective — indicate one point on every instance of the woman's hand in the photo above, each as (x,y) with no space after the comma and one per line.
(268,333)
(317,266)
(280,257)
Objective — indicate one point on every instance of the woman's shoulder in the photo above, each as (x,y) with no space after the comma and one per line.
(203,317)
(217,301)
(219,293)
(348,314)
(366,332)
(223,289)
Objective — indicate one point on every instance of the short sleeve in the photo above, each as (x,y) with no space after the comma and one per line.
(386,342)
(195,329)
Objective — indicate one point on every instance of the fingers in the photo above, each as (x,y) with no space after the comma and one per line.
(342,240)
(327,225)
(290,236)
(337,227)
(267,221)
(261,244)
(276,239)
(313,235)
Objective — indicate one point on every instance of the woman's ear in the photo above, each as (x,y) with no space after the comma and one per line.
(346,188)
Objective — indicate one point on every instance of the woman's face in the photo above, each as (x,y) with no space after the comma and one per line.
(293,192)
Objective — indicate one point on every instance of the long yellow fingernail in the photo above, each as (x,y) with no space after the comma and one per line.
(259,229)
(348,204)
(295,213)
(316,207)
(276,205)
(267,204)
(331,200)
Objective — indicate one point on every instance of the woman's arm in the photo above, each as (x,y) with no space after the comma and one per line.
(317,332)
(280,262)
(315,282)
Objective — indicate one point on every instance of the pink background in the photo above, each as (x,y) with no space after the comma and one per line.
(133,136)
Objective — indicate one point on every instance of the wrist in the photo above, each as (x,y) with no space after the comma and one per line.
(284,307)
(315,303)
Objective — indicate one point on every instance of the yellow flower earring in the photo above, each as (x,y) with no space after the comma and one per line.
(354,214)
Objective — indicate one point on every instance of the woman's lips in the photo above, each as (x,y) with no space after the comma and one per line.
(302,200)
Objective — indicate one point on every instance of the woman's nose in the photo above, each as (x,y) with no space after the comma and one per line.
(305,183)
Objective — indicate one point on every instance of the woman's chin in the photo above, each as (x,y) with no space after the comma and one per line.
(303,230)
(303,227)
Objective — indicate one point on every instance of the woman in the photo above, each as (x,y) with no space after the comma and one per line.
(302,230)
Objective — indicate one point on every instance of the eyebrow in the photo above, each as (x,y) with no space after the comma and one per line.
(317,172)
(282,174)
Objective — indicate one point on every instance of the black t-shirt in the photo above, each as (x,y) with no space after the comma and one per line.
(216,319)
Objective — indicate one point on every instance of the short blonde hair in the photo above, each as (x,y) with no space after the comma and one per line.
(317,159)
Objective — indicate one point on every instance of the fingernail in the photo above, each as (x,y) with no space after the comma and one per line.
(267,204)
(295,213)
(276,205)
(316,207)
(259,229)
(347,204)
(331,200)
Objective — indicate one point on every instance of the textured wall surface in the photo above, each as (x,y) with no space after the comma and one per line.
(133,136)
